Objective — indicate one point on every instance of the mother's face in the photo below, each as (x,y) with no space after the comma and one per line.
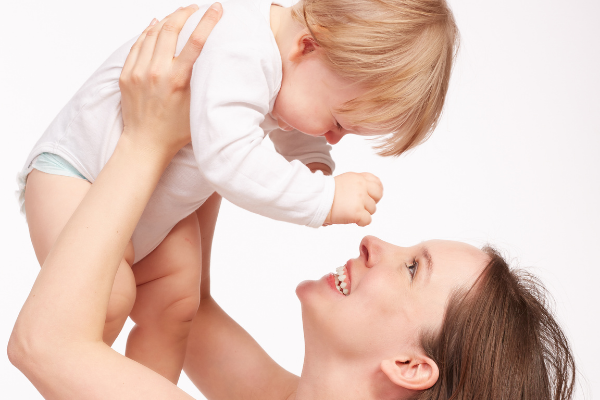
(395,293)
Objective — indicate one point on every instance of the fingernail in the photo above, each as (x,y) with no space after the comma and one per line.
(153,22)
(179,8)
(216,6)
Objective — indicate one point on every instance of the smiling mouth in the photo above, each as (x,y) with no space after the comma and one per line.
(342,280)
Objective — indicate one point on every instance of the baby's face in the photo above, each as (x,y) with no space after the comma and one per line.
(309,97)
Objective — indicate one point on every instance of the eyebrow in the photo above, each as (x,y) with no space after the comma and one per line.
(429,262)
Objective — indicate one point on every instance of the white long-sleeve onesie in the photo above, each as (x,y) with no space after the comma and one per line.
(234,85)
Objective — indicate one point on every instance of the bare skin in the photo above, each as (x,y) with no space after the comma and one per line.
(50,200)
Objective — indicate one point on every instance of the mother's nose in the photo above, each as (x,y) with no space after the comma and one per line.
(371,249)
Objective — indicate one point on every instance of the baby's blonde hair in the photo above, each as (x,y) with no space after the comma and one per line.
(402,51)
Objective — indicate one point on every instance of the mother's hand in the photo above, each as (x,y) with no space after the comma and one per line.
(155,86)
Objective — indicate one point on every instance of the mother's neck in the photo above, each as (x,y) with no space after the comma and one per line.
(325,376)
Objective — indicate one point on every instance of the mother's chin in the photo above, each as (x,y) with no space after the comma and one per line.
(318,299)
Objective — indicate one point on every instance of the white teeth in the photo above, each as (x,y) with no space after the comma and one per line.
(339,280)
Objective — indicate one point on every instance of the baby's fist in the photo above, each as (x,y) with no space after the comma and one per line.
(355,199)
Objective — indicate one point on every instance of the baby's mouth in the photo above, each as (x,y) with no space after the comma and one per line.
(342,280)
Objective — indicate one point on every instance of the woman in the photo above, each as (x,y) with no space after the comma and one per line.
(437,320)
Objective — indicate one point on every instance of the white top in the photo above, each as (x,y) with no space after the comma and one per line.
(234,85)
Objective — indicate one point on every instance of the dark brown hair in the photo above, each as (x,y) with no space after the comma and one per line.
(499,340)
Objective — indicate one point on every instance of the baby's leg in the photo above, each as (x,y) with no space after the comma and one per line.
(168,294)
(50,200)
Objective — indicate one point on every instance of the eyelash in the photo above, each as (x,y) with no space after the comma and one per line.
(338,125)
(415,265)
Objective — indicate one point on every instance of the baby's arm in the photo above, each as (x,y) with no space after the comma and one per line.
(227,141)
(356,195)
(233,88)
(231,94)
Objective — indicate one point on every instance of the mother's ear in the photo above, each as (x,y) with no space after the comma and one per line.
(304,43)
(413,373)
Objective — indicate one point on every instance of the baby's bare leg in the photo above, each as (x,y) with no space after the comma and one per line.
(168,294)
(50,200)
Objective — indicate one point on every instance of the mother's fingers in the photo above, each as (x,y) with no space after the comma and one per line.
(195,43)
(169,33)
(135,50)
(148,46)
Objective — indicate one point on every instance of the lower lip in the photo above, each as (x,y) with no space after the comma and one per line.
(331,283)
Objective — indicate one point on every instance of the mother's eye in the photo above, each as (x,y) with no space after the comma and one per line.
(412,268)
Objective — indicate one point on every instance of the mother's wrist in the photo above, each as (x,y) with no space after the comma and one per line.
(145,153)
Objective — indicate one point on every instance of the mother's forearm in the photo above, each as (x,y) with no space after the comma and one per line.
(222,359)
(66,308)
(76,279)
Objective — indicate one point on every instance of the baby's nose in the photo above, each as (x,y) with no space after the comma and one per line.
(333,137)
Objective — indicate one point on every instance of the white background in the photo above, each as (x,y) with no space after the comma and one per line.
(515,162)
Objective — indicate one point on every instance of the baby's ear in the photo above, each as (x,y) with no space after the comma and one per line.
(309,45)
(413,373)
(304,43)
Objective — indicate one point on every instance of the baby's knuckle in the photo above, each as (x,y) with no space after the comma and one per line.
(358,216)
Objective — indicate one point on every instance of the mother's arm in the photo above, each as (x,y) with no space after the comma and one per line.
(222,359)
(57,339)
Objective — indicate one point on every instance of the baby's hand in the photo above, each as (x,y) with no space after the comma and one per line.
(355,199)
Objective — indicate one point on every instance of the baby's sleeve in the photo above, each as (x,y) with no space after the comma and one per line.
(295,145)
(230,97)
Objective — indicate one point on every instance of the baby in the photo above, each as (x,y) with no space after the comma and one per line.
(306,76)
